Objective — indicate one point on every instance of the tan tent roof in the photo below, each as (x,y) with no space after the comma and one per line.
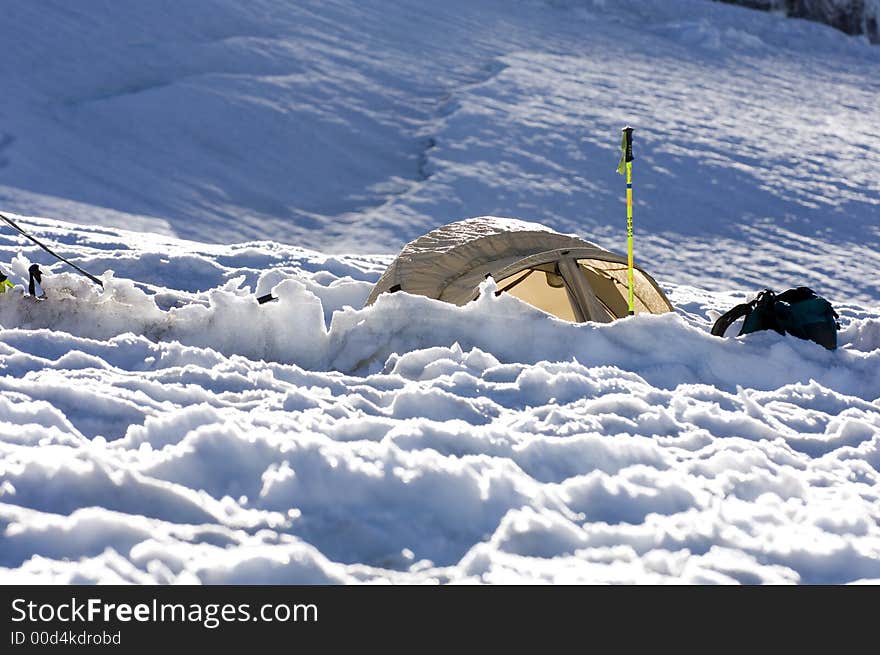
(450,262)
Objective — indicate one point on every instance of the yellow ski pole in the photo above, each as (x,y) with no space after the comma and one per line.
(625,167)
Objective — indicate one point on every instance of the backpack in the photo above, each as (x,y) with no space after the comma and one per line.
(798,312)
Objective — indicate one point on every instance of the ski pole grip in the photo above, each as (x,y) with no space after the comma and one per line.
(628,137)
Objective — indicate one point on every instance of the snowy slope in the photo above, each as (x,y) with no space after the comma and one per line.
(170,429)
(360,125)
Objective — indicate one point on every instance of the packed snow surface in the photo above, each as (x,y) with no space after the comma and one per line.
(195,155)
(158,434)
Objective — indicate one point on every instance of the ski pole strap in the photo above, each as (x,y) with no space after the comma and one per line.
(626,149)
(15,227)
(727,319)
(628,144)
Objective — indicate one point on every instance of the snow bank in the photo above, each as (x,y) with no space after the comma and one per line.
(293,330)
(154,434)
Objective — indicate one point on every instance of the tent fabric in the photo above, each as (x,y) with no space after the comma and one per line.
(606,272)
(450,262)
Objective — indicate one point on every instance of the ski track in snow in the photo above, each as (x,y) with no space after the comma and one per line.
(171,430)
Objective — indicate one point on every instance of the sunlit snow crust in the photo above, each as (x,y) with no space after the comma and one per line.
(153,434)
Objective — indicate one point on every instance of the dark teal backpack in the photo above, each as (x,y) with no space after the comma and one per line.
(798,312)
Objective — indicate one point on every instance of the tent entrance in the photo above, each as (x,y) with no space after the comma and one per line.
(581,288)
(609,282)
(544,288)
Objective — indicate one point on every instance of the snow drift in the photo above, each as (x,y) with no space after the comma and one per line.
(150,434)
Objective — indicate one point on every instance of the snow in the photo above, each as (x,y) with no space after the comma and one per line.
(412,441)
(196,155)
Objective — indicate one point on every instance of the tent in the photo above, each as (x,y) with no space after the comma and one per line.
(563,275)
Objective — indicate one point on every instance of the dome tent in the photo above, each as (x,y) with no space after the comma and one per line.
(563,275)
